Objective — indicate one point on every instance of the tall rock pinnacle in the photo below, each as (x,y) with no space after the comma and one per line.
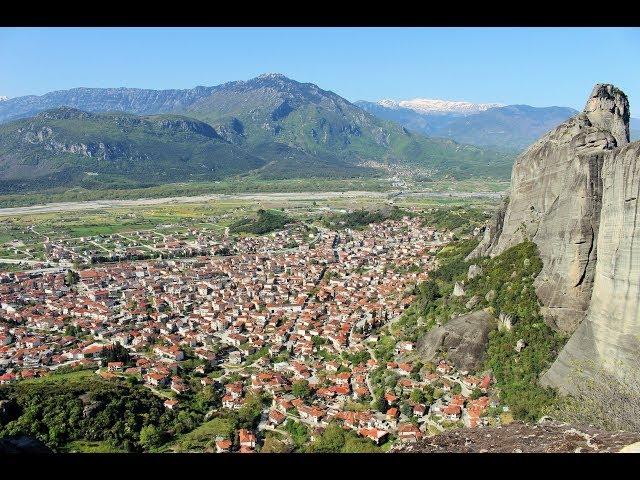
(608,109)
(576,194)
(555,201)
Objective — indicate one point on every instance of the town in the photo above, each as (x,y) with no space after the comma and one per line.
(293,314)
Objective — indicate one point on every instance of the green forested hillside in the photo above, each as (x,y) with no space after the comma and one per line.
(71,147)
(272,126)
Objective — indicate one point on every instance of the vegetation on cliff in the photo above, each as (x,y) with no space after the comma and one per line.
(505,286)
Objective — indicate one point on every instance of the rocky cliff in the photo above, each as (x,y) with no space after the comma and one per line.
(575,193)
(609,337)
(555,200)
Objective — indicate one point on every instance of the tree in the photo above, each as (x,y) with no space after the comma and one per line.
(116,353)
(381,404)
(417,396)
(151,437)
(250,412)
(331,441)
(273,445)
(298,432)
(476,394)
(301,389)
(72,330)
(429,292)
(71,278)
(206,399)
(355,444)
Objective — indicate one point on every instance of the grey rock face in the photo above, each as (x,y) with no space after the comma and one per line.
(608,108)
(474,271)
(473,301)
(609,338)
(458,290)
(464,339)
(505,321)
(555,201)
(491,233)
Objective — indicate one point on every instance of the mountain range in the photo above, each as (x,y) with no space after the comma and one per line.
(506,127)
(270,126)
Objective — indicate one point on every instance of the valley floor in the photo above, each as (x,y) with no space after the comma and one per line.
(102,204)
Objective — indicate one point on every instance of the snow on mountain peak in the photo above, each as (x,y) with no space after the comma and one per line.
(427,105)
(389,103)
(3,98)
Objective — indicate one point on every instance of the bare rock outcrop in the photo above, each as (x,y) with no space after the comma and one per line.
(555,201)
(462,340)
(518,437)
(609,337)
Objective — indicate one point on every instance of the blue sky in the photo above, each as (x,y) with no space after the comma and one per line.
(535,66)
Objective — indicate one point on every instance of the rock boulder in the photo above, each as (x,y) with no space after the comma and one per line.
(463,340)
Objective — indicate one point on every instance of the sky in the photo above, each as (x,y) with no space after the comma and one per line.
(534,66)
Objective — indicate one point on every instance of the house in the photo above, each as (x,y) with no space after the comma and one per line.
(232,403)
(443,367)
(405,368)
(408,432)
(484,384)
(178,385)
(7,378)
(419,410)
(93,351)
(115,366)
(390,398)
(402,347)
(451,412)
(173,353)
(223,446)
(471,382)
(156,379)
(247,438)
(313,414)
(332,366)
(375,434)
(276,417)
(343,378)
(170,404)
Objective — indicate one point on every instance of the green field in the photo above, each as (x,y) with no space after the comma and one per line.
(62,377)
(204,437)
(92,446)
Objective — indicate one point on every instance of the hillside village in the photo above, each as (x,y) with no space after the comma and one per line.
(293,315)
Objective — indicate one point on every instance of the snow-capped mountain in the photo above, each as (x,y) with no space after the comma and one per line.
(485,124)
(3,98)
(434,106)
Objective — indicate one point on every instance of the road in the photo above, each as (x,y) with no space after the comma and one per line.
(21,260)
(106,204)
